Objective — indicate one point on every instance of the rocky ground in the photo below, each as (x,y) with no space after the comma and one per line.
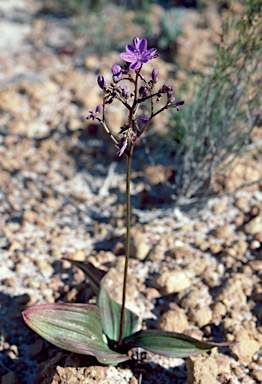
(195,269)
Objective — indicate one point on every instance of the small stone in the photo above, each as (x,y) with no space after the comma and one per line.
(237,250)
(255,244)
(219,310)
(222,231)
(197,266)
(249,342)
(257,374)
(172,281)
(44,267)
(223,363)
(254,226)
(255,265)
(156,253)
(151,294)
(201,316)
(139,248)
(202,370)
(242,203)
(219,207)
(180,252)
(173,321)
(77,256)
(216,248)
(75,124)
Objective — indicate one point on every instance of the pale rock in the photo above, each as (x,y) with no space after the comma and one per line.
(77,256)
(139,248)
(202,369)
(197,294)
(254,226)
(242,203)
(172,282)
(156,253)
(223,231)
(249,342)
(173,321)
(180,252)
(223,364)
(200,316)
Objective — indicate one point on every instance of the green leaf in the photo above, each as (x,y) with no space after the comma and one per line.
(94,275)
(170,344)
(110,312)
(74,327)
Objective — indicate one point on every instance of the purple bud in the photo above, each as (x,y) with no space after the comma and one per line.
(117,72)
(143,91)
(101,82)
(136,41)
(182,102)
(155,75)
(166,88)
(99,108)
(144,119)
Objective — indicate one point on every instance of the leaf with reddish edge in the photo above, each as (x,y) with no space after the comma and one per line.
(73,327)
(170,344)
(94,275)
(110,312)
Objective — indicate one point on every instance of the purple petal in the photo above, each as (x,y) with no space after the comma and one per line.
(142,47)
(150,53)
(127,57)
(136,42)
(135,65)
(130,48)
(121,150)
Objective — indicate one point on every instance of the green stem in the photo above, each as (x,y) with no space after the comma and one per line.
(128,224)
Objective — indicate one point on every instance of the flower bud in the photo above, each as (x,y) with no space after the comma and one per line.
(99,108)
(101,82)
(143,91)
(144,119)
(155,75)
(117,72)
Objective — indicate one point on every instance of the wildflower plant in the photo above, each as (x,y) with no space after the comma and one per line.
(109,330)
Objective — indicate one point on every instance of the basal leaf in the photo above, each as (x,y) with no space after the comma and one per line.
(170,344)
(110,312)
(94,275)
(73,327)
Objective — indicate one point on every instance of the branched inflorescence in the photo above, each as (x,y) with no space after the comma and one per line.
(142,91)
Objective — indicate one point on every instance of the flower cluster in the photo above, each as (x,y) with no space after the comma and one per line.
(142,91)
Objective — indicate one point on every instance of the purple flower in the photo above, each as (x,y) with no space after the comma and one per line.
(93,114)
(117,72)
(123,143)
(144,119)
(137,53)
(101,82)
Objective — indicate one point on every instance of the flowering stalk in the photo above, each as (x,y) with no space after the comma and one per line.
(136,55)
(127,251)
